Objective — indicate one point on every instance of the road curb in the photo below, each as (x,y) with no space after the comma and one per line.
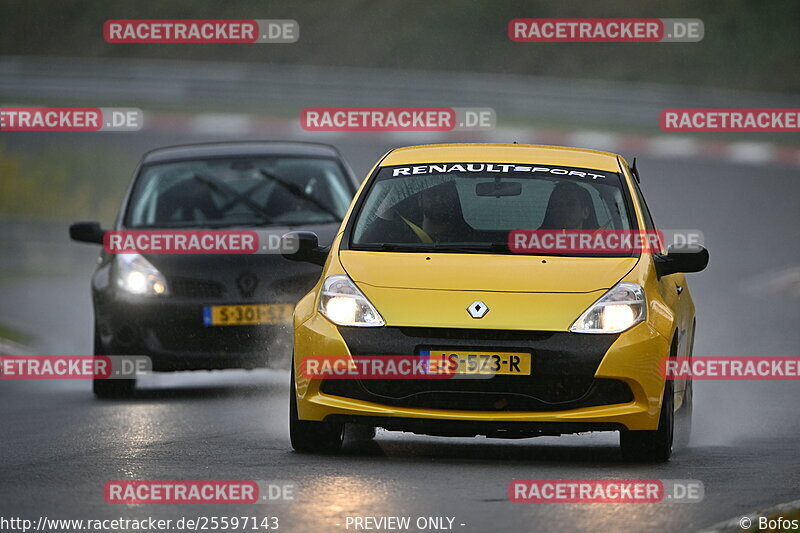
(735,524)
(8,347)
(240,125)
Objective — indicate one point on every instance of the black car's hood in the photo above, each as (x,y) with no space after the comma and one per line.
(258,277)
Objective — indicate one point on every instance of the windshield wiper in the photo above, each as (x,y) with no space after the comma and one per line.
(477,248)
(296,191)
(392,247)
(219,225)
(233,196)
(472,248)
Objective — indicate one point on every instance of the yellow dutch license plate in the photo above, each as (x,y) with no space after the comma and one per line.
(471,362)
(247,315)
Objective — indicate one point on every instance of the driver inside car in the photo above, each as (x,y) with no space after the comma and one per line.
(430,216)
(570,208)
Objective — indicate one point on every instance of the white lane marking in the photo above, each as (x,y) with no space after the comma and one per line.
(596,140)
(751,152)
(672,146)
(221,124)
(8,347)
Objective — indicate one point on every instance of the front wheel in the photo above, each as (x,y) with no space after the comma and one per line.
(111,388)
(683,418)
(652,446)
(309,436)
(360,432)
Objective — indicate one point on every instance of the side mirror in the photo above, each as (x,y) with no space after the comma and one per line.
(692,258)
(303,246)
(87,232)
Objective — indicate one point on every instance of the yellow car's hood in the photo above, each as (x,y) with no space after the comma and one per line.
(521,292)
(485,272)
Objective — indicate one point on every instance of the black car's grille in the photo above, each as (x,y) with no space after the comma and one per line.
(563,366)
(195,288)
(229,339)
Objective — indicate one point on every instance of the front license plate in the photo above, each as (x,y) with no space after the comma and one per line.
(471,362)
(247,315)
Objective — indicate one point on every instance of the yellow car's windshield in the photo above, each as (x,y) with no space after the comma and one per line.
(474,206)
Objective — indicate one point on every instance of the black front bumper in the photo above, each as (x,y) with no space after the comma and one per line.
(562,373)
(173,335)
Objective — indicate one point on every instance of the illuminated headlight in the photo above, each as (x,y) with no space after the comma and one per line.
(619,309)
(342,303)
(137,275)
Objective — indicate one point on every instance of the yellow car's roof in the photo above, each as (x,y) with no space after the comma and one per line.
(502,153)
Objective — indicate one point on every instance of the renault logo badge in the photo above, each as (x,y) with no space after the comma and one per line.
(477,309)
(247,284)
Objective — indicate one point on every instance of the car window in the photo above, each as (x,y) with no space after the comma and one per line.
(239,191)
(480,203)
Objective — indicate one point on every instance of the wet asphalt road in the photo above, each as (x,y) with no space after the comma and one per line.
(58,445)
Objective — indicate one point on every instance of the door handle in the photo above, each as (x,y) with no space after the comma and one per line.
(679,289)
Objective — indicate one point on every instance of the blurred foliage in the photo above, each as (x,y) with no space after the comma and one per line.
(748,44)
(14,335)
(61,183)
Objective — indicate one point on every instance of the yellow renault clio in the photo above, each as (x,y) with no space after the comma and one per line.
(424,265)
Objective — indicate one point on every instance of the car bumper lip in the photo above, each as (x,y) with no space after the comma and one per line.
(607,413)
(632,415)
(472,428)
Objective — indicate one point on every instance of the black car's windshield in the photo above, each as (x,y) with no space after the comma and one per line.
(230,192)
(472,207)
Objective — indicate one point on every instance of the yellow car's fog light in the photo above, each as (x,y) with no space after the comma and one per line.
(619,309)
(341,302)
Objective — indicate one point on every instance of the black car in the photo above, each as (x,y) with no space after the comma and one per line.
(216,311)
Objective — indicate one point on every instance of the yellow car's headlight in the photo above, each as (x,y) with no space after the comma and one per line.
(342,303)
(619,309)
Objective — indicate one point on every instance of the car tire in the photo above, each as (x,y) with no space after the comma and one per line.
(683,418)
(652,446)
(111,388)
(312,437)
(360,432)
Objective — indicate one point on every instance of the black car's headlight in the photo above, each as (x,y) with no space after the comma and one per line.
(136,275)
